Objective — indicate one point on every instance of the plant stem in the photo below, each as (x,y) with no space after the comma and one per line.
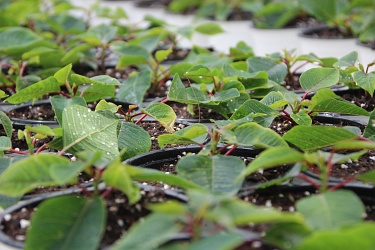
(343,183)
(307,179)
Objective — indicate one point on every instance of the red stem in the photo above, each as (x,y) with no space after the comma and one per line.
(12,150)
(41,148)
(231,150)
(106,193)
(343,183)
(307,179)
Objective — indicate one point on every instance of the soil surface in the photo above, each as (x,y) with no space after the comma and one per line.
(360,98)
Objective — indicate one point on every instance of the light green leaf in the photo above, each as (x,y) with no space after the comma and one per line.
(67,220)
(212,172)
(314,137)
(331,210)
(370,127)
(209,28)
(98,91)
(84,129)
(252,134)
(6,124)
(276,71)
(62,75)
(45,130)
(273,157)
(117,176)
(301,118)
(161,55)
(35,91)
(29,173)
(194,134)
(365,81)
(319,78)
(347,60)
(339,106)
(163,113)
(5,143)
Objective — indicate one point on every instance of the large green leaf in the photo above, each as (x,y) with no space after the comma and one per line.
(216,173)
(84,129)
(133,140)
(358,236)
(117,176)
(318,78)
(98,91)
(135,87)
(314,137)
(194,134)
(101,79)
(276,71)
(365,81)
(35,91)
(273,157)
(67,222)
(59,103)
(29,173)
(149,233)
(252,134)
(325,10)
(331,210)
(163,113)
(16,40)
(339,106)
(255,107)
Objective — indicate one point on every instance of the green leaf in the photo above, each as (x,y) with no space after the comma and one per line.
(365,81)
(101,80)
(163,113)
(5,143)
(6,124)
(135,87)
(256,107)
(143,234)
(209,29)
(117,176)
(88,130)
(59,103)
(358,236)
(301,118)
(347,60)
(252,134)
(273,157)
(339,106)
(29,173)
(104,105)
(147,174)
(161,55)
(98,91)
(369,131)
(45,130)
(67,220)
(325,10)
(66,173)
(276,71)
(133,140)
(212,172)
(62,75)
(319,78)
(314,137)
(17,40)
(274,100)
(193,134)
(219,241)
(35,91)
(331,210)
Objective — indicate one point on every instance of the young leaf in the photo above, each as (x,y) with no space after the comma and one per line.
(301,118)
(314,137)
(6,124)
(45,130)
(331,210)
(29,173)
(318,78)
(370,127)
(62,75)
(117,176)
(88,130)
(276,71)
(365,81)
(133,140)
(163,113)
(35,91)
(67,220)
(339,106)
(161,55)
(252,134)
(212,172)
(98,91)
(347,60)
(193,134)
(219,241)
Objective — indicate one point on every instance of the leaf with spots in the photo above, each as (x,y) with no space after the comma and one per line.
(84,129)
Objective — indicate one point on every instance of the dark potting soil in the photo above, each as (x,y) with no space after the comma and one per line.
(152,3)
(359,98)
(330,32)
(120,216)
(200,113)
(43,112)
